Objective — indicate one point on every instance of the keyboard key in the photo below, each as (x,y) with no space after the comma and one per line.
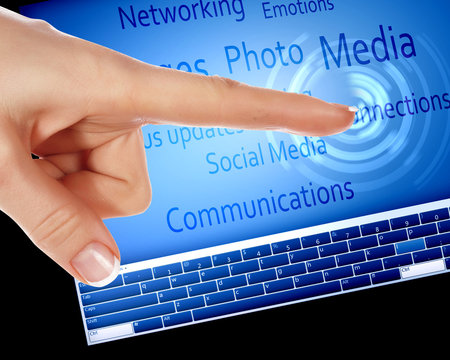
(422,268)
(227,258)
(110,332)
(363,243)
(351,258)
(338,273)
(215,273)
(303,255)
(345,234)
(385,276)
(291,270)
(422,230)
(434,215)
(130,315)
(110,294)
(356,282)
(278,285)
(317,239)
(286,245)
(267,300)
(184,279)
(405,221)
(244,267)
(397,261)
(375,227)
(177,319)
(437,240)
(446,250)
(137,276)
(447,263)
(443,226)
(393,237)
(309,279)
(320,264)
(115,331)
(118,281)
(197,264)
(190,303)
(232,282)
(368,267)
(172,294)
(261,276)
(119,305)
(426,255)
(249,291)
(203,288)
(167,270)
(256,252)
(409,246)
(333,249)
(147,325)
(273,261)
(380,252)
(155,285)
(219,297)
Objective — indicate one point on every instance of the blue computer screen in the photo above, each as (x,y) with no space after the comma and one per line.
(213,186)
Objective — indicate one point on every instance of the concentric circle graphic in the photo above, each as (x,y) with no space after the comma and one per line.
(393,133)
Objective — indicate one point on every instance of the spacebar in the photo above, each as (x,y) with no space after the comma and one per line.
(266,300)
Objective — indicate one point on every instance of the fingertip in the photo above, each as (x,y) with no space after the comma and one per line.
(343,119)
(324,119)
(96,264)
(350,108)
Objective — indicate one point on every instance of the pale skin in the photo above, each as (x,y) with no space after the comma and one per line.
(80,107)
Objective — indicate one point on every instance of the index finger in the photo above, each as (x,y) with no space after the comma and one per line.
(151,94)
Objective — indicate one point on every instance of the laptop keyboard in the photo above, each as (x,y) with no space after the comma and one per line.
(290,270)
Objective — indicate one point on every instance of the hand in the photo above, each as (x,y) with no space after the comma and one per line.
(79,108)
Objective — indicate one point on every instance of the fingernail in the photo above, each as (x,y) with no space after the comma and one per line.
(346,107)
(96,264)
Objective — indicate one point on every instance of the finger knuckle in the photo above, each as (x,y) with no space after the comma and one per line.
(56,229)
(224,83)
(136,197)
(142,196)
(42,25)
(138,182)
(6,154)
(223,91)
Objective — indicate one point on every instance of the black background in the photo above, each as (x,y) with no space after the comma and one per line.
(40,313)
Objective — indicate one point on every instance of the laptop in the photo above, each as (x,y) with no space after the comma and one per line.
(252,221)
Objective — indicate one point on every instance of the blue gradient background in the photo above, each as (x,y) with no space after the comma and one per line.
(391,163)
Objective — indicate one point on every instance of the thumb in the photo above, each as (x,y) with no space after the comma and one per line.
(57,221)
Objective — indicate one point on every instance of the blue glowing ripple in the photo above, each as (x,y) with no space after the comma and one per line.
(371,153)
